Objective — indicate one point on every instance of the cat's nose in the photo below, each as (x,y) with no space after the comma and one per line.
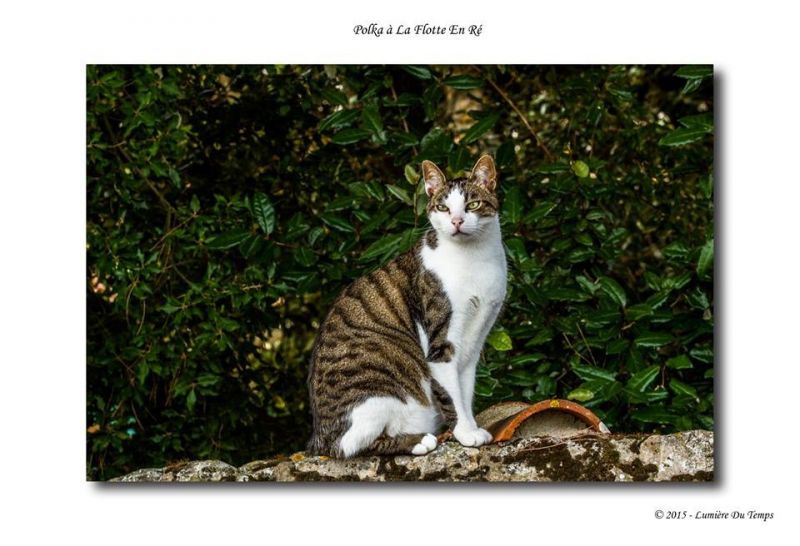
(457,221)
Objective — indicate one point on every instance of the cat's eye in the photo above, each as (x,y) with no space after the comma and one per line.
(442,208)
(473,205)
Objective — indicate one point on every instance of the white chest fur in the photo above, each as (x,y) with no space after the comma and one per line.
(473,275)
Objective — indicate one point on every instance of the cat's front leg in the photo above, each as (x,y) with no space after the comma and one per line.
(465,429)
(476,333)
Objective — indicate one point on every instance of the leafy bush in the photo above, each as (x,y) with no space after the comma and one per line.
(228,206)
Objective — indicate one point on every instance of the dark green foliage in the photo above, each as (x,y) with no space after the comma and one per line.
(227,207)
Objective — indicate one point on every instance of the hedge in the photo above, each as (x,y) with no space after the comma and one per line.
(228,206)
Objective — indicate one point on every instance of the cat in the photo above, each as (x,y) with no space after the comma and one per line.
(395,358)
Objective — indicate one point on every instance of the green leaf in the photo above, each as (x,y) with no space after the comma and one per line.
(418,71)
(523,360)
(545,386)
(679,387)
(264,212)
(350,136)
(707,185)
(194,204)
(385,245)
(589,373)
(436,143)
(691,85)
(368,190)
(580,169)
(431,99)
(333,96)
(191,399)
(598,319)
(171,307)
(540,211)
(612,288)
(647,397)
(315,234)
(513,205)
(485,386)
(515,249)
(227,239)
(543,335)
(581,395)
(622,94)
(678,282)
(653,339)
(400,193)
(706,421)
(683,136)
(580,255)
(521,378)
(142,371)
(603,390)
(373,122)
(704,121)
(304,256)
(586,284)
(680,362)
(697,298)
(703,354)
(337,120)
(499,340)
(251,246)
(658,299)
(464,82)
(411,174)
(566,294)
(695,71)
(638,311)
(337,223)
(706,258)
(480,128)
(676,250)
(552,168)
(404,140)
(642,379)
(174,177)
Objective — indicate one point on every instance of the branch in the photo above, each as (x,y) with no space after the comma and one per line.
(523,117)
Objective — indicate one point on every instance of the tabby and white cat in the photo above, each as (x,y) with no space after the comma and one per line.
(395,357)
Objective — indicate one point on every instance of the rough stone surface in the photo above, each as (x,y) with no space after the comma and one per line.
(684,456)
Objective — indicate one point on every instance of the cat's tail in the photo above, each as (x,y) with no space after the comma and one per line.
(315,445)
(320,444)
(320,441)
(326,431)
(325,436)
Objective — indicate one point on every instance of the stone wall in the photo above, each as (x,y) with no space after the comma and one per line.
(684,456)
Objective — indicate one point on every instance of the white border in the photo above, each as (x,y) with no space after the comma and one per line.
(45,47)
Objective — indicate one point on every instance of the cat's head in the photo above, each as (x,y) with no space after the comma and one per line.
(462,209)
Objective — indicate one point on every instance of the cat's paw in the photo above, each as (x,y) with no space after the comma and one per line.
(472,437)
(427,444)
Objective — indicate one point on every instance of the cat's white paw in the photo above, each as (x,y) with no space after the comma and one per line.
(472,437)
(426,445)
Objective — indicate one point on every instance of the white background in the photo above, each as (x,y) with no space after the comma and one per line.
(45,47)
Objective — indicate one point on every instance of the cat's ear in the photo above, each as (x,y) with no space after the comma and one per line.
(434,178)
(484,172)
